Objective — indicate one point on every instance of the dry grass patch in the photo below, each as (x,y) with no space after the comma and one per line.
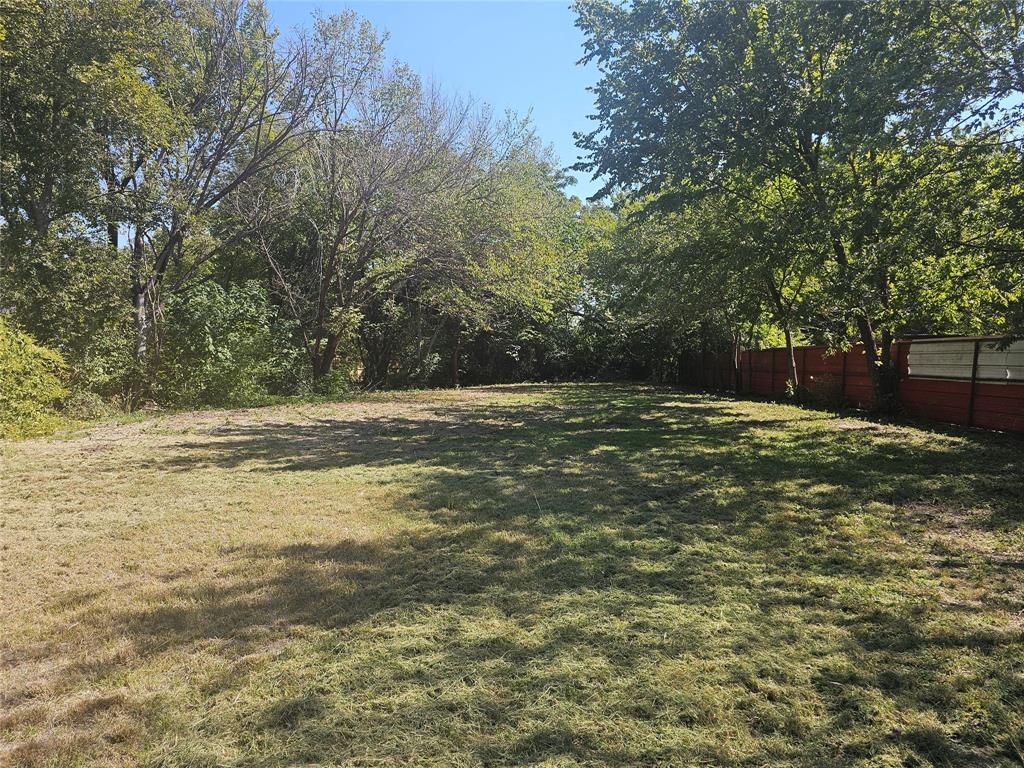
(571,575)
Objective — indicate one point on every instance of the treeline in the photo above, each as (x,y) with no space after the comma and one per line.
(834,172)
(198,209)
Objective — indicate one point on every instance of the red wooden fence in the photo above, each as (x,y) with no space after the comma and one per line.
(993,398)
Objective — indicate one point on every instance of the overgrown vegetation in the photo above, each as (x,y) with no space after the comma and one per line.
(196,208)
(573,575)
(30,384)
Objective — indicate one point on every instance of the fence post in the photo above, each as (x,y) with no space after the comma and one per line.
(803,368)
(771,387)
(750,371)
(974,384)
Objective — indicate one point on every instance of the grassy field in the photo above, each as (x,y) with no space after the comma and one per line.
(570,575)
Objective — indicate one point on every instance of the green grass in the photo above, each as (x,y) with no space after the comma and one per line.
(571,575)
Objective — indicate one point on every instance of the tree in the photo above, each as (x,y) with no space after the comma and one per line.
(829,100)
(353,209)
(514,264)
(243,99)
(76,77)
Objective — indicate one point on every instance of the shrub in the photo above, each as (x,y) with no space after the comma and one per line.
(30,384)
(225,346)
(71,294)
(86,406)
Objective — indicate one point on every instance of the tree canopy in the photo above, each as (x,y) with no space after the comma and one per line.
(866,155)
(192,196)
(197,207)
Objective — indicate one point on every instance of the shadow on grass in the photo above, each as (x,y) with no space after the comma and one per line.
(623,576)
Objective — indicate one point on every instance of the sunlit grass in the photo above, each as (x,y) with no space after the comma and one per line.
(517,575)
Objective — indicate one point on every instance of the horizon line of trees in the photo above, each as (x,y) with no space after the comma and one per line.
(196,209)
(199,209)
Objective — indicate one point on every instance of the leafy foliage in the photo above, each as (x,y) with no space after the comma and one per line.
(196,208)
(848,162)
(30,384)
(226,346)
(68,292)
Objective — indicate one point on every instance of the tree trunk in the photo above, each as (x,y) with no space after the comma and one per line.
(39,209)
(737,352)
(794,382)
(425,352)
(376,360)
(885,395)
(879,362)
(323,362)
(456,352)
(141,325)
(139,297)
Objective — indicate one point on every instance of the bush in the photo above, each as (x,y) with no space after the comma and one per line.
(225,346)
(30,384)
(86,406)
(71,294)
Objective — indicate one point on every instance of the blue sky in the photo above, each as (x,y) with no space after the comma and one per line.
(511,55)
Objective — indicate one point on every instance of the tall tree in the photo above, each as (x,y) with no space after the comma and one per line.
(357,204)
(75,78)
(243,98)
(823,97)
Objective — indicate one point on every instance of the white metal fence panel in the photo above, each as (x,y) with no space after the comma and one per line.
(941,359)
(954,359)
(1015,362)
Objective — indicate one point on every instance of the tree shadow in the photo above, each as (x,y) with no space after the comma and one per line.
(569,557)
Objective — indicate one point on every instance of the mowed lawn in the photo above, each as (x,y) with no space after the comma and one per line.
(527,575)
